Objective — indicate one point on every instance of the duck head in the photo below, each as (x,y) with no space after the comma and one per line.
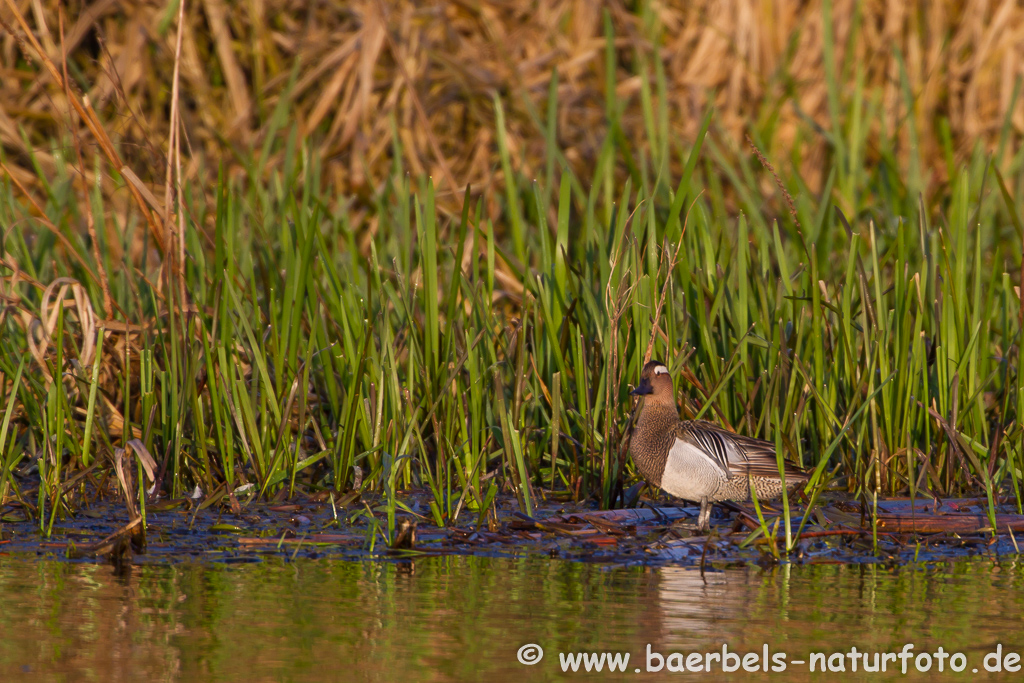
(655,385)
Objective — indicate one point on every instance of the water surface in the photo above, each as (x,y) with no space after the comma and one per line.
(465,618)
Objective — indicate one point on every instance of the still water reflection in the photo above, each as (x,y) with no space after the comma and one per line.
(464,618)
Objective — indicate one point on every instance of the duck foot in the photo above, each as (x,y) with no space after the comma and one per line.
(681,529)
(700,527)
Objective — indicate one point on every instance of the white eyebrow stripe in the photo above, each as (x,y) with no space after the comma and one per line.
(660,370)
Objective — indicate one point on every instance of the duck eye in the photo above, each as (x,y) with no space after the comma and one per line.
(661,370)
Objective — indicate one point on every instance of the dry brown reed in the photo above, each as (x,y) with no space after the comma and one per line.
(427,72)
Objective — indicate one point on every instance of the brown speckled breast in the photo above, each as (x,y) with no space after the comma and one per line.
(651,440)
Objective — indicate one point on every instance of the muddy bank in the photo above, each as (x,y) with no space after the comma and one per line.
(655,533)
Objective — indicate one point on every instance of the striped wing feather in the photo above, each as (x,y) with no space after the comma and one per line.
(736,454)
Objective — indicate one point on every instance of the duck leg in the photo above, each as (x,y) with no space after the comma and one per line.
(703,520)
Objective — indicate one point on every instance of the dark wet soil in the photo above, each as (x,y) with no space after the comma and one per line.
(655,533)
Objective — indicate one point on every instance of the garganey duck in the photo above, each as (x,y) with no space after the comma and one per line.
(697,460)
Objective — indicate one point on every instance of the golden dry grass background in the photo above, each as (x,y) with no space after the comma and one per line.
(428,71)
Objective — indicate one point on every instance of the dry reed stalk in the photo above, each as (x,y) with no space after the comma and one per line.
(108,310)
(174,155)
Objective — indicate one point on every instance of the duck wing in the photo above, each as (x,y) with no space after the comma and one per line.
(735,454)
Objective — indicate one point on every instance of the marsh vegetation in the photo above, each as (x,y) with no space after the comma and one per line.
(374,252)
